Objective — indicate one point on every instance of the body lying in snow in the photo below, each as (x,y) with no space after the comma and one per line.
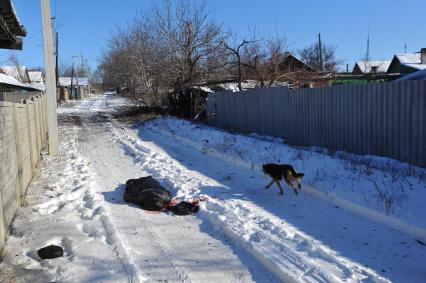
(149,194)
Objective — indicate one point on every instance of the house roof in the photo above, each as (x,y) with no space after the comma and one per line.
(365,66)
(408,58)
(289,59)
(412,60)
(18,73)
(10,81)
(10,27)
(66,81)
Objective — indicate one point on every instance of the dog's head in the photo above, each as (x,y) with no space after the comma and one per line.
(298,178)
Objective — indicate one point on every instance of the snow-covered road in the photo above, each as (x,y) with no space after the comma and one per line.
(242,233)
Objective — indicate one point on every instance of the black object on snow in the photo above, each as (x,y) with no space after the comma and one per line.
(150,195)
(147,193)
(50,252)
(184,208)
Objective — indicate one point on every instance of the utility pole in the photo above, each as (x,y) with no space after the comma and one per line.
(72,78)
(76,78)
(367,55)
(57,60)
(82,64)
(52,117)
(320,52)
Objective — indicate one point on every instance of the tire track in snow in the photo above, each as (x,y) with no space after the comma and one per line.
(143,163)
(299,255)
(112,236)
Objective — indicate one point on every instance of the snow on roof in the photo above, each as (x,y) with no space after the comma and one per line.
(416,66)
(382,66)
(9,80)
(35,76)
(248,84)
(40,86)
(409,58)
(14,71)
(66,81)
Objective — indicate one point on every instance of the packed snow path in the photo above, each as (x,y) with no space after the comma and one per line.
(242,233)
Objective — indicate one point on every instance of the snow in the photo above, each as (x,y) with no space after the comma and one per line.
(242,233)
(15,72)
(409,58)
(416,66)
(248,84)
(9,80)
(382,66)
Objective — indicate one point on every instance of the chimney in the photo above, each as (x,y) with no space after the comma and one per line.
(423,56)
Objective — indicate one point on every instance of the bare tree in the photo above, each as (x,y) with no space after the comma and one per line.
(235,54)
(13,59)
(163,53)
(312,55)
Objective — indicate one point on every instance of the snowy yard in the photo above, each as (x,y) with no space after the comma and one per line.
(358,219)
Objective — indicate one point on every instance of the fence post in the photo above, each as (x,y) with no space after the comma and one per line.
(18,152)
(2,230)
(2,224)
(30,136)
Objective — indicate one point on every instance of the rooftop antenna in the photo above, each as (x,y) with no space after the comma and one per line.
(367,55)
(405,45)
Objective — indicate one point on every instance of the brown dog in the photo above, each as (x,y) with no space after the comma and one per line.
(280,171)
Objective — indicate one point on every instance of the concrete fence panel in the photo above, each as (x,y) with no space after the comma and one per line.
(22,129)
(9,181)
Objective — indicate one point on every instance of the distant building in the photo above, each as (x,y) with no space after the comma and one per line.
(408,63)
(36,79)
(371,67)
(73,89)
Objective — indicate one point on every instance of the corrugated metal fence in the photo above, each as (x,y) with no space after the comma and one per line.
(386,119)
(23,133)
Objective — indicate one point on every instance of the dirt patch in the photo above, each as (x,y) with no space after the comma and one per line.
(99,118)
(70,119)
(135,114)
(135,111)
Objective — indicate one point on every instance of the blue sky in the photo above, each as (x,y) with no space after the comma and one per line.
(85,25)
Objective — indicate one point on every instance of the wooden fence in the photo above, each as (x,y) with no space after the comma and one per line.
(23,134)
(385,119)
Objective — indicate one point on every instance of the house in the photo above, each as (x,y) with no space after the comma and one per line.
(408,62)
(11,31)
(371,67)
(74,88)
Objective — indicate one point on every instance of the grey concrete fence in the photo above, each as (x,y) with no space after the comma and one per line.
(23,134)
(385,119)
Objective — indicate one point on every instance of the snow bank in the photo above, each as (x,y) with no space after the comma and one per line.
(382,185)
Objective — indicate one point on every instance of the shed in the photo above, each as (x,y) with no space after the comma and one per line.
(77,87)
